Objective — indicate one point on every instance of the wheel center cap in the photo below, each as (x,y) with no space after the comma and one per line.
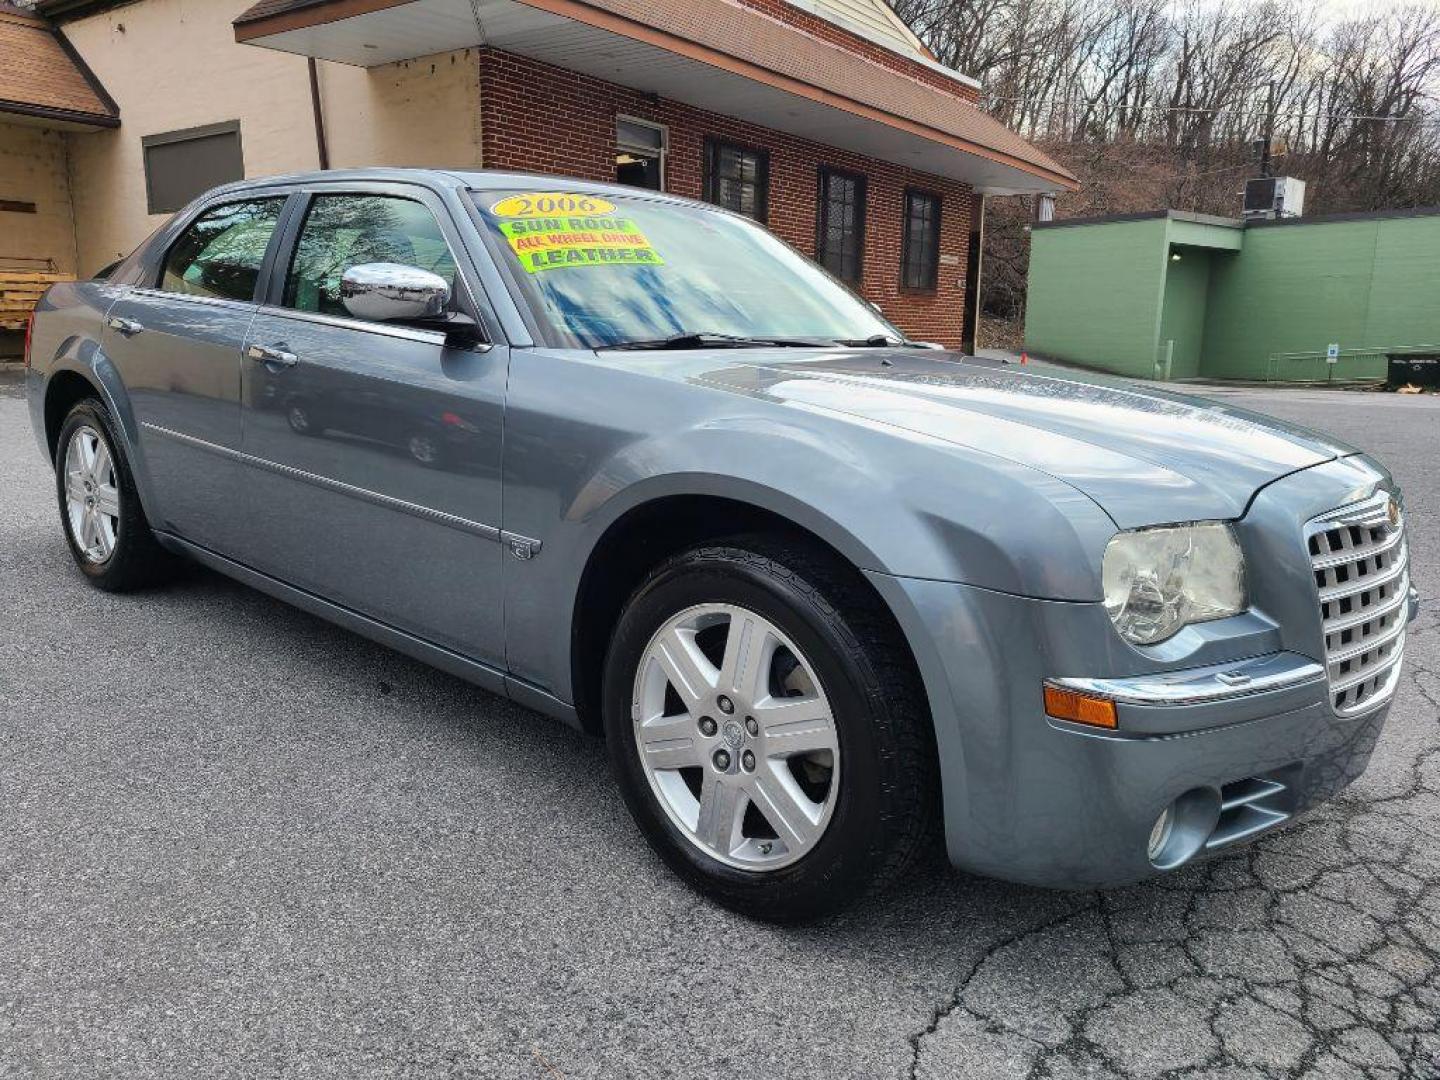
(733,733)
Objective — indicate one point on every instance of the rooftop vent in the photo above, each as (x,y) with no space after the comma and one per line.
(1270,197)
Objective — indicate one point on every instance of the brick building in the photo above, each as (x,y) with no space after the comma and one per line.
(825,119)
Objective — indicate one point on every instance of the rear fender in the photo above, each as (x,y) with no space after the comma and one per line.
(69,339)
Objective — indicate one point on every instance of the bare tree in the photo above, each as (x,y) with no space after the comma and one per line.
(1156,104)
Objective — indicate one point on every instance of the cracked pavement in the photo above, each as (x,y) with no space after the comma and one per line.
(236,841)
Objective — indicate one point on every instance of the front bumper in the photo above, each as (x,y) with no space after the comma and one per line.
(1046,802)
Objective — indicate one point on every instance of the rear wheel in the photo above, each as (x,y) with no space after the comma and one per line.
(768,730)
(105,526)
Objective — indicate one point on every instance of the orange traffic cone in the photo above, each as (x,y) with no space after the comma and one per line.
(1024,357)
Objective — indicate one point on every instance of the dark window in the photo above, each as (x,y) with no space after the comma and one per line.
(840,224)
(920,252)
(640,154)
(220,254)
(181,165)
(737,178)
(342,231)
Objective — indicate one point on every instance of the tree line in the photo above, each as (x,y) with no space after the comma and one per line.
(1154,104)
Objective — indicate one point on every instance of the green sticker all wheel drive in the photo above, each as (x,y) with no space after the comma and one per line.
(560,241)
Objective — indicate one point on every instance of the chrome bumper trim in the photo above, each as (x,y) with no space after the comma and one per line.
(1203,686)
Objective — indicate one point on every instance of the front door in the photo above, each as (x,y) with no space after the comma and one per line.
(374,449)
(177,345)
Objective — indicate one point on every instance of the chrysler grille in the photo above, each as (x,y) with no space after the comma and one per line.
(1359,559)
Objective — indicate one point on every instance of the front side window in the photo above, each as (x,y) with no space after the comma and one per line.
(342,231)
(840,224)
(920,251)
(737,178)
(220,254)
(617,270)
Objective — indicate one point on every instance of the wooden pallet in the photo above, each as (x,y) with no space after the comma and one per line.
(20,291)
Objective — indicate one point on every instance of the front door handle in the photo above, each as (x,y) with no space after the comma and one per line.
(267,354)
(128,327)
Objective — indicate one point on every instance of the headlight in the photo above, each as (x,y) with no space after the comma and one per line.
(1158,581)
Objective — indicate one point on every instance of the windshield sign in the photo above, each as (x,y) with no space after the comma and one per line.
(600,272)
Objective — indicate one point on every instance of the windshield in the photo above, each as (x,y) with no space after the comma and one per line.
(617,271)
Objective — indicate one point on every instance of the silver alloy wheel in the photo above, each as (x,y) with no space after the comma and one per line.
(423,449)
(736,736)
(92,498)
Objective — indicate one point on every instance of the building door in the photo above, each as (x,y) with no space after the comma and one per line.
(376,447)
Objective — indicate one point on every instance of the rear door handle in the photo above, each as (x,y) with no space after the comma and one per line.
(128,327)
(267,354)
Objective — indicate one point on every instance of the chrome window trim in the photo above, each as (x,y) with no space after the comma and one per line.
(1202,686)
(190,298)
(440,517)
(406,333)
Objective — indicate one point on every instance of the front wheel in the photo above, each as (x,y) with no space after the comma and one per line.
(767,728)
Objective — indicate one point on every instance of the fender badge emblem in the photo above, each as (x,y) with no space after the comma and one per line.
(522,547)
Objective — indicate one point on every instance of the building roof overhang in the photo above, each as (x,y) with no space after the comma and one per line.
(43,81)
(712,54)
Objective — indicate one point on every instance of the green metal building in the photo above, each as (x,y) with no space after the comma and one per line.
(1177,295)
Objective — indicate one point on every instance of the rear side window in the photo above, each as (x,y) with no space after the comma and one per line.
(342,231)
(219,255)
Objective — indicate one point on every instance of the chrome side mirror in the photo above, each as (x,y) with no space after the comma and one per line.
(393,292)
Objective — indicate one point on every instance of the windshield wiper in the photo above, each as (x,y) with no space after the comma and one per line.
(706,340)
(877,341)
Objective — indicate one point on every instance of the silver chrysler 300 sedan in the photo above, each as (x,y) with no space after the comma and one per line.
(633,462)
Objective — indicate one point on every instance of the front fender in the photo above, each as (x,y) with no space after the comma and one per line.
(888,501)
(584,449)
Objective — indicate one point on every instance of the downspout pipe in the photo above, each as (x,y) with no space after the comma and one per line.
(322,151)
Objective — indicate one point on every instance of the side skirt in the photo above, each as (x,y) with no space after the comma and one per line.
(472,671)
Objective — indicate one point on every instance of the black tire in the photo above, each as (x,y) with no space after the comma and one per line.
(886,807)
(137,559)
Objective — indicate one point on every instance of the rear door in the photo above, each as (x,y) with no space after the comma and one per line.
(176,341)
(375,447)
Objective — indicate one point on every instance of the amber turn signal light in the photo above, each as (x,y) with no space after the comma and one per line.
(1079,708)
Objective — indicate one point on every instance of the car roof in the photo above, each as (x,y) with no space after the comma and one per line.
(475,179)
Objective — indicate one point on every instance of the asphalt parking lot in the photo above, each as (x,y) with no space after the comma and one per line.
(238,842)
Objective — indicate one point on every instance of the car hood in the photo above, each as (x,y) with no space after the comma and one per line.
(1146,456)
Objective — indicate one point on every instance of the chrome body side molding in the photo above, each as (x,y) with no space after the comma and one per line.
(488,532)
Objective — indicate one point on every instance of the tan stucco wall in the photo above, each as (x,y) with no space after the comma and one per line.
(174,64)
(33,169)
(424,112)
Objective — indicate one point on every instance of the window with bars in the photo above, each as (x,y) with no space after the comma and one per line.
(920,250)
(840,224)
(737,178)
